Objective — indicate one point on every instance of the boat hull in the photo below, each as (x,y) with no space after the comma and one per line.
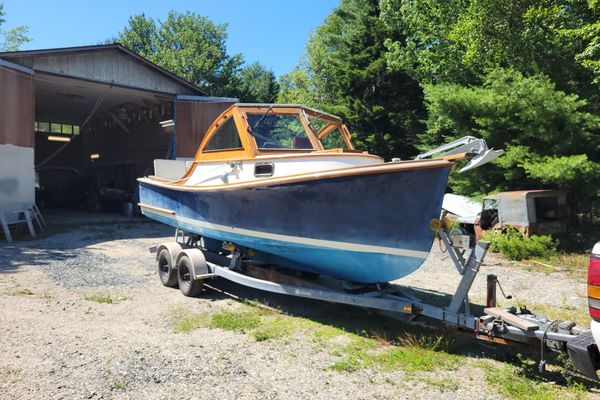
(364,228)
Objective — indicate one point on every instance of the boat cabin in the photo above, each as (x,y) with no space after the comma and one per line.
(245,131)
(256,141)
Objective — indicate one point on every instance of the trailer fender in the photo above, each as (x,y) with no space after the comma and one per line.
(199,264)
(173,248)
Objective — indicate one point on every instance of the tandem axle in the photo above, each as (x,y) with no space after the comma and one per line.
(187,262)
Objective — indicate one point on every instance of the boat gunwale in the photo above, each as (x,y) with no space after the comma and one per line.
(303,177)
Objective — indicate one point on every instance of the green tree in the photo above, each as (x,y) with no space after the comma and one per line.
(523,74)
(424,49)
(12,39)
(257,84)
(297,87)
(589,35)
(548,137)
(189,45)
(460,40)
(346,73)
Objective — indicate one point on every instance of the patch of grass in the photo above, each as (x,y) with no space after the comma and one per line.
(260,321)
(187,323)
(414,359)
(418,354)
(273,329)
(21,292)
(327,332)
(118,385)
(242,321)
(564,312)
(573,263)
(104,298)
(442,384)
(513,383)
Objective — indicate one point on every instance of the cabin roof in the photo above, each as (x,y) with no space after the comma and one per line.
(299,106)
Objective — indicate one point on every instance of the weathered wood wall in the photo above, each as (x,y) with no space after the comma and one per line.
(193,120)
(17,103)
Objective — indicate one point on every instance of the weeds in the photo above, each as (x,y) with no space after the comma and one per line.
(187,323)
(275,329)
(118,385)
(21,292)
(442,384)
(107,299)
(236,320)
(513,383)
(410,353)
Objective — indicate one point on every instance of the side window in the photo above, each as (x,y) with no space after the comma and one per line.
(333,140)
(225,138)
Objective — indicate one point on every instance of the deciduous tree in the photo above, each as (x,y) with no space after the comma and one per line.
(12,39)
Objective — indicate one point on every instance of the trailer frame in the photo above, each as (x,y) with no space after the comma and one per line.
(467,255)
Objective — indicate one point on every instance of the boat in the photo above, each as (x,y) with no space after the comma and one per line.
(285,183)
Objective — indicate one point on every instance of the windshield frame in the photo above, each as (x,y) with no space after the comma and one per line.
(250,149)
(331,124)
(314,141)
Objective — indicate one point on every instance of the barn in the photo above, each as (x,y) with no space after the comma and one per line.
(78,125)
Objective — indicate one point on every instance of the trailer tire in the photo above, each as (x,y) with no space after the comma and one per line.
(166,272)
(189,286)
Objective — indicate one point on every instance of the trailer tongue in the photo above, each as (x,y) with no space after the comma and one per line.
(190,260)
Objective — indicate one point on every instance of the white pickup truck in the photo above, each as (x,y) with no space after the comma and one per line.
(594,292)
(583,350)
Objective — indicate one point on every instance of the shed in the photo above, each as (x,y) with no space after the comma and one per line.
(533,211)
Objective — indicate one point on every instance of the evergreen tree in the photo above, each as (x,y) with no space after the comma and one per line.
(345,73)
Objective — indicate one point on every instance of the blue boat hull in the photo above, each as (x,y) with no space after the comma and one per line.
(364,228)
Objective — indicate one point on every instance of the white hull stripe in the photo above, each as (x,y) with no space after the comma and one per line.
(362,248)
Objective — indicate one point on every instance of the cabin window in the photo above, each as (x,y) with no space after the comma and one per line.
(225,138)
(316,124)
(277,131)
(333,140)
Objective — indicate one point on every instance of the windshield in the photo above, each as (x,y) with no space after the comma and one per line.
(279,131)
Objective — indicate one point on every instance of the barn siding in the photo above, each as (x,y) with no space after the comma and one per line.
(17,176)
(104,65)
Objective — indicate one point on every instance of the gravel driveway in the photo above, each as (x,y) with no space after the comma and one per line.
(83,315)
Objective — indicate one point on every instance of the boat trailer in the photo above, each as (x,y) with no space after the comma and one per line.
(187,263)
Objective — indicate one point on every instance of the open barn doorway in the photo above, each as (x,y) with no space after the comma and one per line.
(92,141)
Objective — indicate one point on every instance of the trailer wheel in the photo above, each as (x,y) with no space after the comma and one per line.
(166,272)
(189,287)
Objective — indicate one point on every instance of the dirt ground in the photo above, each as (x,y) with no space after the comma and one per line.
(83,315)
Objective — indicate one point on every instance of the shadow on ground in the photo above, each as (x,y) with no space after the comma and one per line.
(60,243)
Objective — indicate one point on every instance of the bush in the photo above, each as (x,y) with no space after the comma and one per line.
(514,246)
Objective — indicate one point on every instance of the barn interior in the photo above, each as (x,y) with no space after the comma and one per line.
(92,140)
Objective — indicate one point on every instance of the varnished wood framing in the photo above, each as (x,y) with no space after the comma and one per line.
(250,151)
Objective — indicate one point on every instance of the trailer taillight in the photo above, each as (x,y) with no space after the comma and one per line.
(594,284)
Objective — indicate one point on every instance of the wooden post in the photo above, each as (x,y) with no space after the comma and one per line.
(492,281)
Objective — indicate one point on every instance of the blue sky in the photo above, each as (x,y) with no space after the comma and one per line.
(270,31)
